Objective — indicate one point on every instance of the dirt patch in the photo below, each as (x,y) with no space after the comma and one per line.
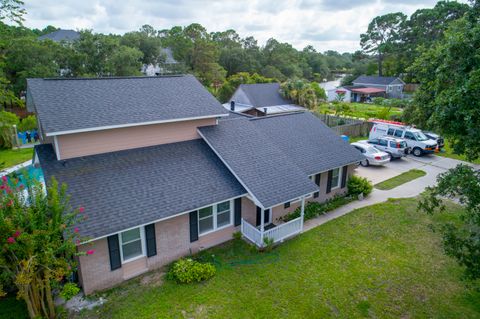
(154,279)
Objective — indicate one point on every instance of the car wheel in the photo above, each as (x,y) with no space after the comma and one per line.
(364,163)
(417,151)
(391,156)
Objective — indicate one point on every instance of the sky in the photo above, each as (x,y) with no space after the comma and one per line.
(325,24)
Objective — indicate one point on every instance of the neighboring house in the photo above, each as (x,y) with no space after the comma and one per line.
(61,35)
(168,66)
(366,87)
(260,99)
(164,171)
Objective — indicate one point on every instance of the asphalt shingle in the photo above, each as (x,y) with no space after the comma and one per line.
(125,189)
(264,94)
(61,35)
(71,104)
(262,168)
(374,80)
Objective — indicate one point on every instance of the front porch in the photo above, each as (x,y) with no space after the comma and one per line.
(275,233)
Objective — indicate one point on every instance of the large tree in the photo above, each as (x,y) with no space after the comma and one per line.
(382,35)
(448,99)
(12,10)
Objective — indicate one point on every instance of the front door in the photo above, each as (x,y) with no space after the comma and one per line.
(266,218)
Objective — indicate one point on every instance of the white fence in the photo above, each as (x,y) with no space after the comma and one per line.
(277,233)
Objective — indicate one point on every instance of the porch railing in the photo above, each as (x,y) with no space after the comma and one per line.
(277,233)
(283,231)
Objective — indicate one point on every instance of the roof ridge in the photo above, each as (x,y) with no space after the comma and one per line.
(276,115)
(114,77)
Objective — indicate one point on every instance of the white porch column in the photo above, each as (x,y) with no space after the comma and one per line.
(302,211)
(262,225)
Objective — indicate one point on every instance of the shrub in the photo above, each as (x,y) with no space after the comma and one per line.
(378,100)
(314,209)
(187,270)
(69,291)
(237,235)
(7,120)
(267,244)
(359,185)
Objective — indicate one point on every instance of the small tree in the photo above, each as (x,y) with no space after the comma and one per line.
(461,240)
(37,241)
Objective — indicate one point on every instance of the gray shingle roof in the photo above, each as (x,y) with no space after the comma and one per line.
(307,142)
(264,94)
(73,104)
(61,35)
(263,169)
(375,80)
(125,189)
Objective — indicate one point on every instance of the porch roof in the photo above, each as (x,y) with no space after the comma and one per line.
(367,90)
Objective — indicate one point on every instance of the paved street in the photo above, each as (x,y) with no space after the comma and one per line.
(433,165)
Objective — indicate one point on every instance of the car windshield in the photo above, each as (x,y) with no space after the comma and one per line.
(420,136)
(403,144)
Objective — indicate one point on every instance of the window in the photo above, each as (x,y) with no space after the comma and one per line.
(393,144)
(286,205)
(409,135)
(382,143)
(374,141)
(390,131)
(132,244)
(335,178)
(398,133)
(214,217)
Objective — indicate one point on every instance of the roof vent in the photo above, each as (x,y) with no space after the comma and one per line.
(232,106)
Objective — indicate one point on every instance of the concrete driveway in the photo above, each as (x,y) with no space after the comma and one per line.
(433,165)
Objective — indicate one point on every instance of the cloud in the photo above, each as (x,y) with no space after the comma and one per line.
(325,24)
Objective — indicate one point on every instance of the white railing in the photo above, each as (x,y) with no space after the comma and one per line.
(251,233)
(277,233)
(283,231)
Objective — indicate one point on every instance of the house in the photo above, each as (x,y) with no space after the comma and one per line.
(61,35)
(163,170)
(168,66)
(260,99)
(365,88)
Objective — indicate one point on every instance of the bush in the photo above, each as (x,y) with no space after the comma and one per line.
(188,271)
(27,124)
(7,120)
(378,100)
(359,185)
(314,209)
(69,291)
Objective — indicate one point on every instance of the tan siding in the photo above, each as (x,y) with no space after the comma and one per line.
(89,143)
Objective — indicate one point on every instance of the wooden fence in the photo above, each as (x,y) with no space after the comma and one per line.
(349,126)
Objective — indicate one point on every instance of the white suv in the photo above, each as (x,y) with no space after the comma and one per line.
(416,140)
(395,147)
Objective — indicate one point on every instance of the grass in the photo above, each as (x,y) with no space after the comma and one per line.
(359,110)
(381,261)
(447,151)
(357,138)
(11,308)
(9,157)
(400,179)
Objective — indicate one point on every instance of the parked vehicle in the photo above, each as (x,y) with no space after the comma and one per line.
(434,136)
(395,147)
(418,142)
(373,156)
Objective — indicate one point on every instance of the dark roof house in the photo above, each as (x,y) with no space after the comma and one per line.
(377,80)
(260,99)
(162,170)
(61,35)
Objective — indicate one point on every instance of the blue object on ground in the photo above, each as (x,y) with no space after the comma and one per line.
(345,138)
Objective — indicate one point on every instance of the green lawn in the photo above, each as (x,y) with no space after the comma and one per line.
(9,157)
(400,179)
(447,151)
(360,110)
(357,138)
(382,261)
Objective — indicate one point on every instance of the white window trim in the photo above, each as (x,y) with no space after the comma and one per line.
(143,244)
(214,214)
(339,178)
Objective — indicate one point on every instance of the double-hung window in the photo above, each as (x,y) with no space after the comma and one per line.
(132,244)
(336,176)
(214,217)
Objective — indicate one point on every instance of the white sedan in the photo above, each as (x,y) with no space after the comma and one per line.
(372,155)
